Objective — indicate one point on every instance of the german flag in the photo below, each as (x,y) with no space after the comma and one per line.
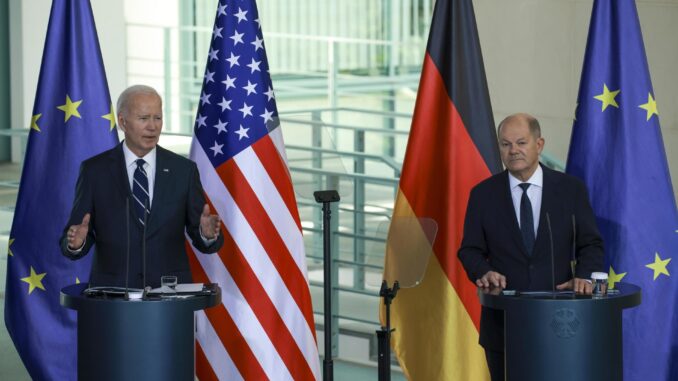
(452,147)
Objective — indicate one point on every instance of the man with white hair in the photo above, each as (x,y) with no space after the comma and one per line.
(141,190)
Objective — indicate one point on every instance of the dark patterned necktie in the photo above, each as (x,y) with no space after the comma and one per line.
(140,190)
(526,219)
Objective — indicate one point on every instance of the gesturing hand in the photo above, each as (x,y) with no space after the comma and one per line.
(210,224)
(77,233)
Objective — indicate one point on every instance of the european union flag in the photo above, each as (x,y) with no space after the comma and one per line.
(617,150)
(72,120)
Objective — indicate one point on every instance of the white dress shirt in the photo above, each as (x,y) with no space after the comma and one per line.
(534,193)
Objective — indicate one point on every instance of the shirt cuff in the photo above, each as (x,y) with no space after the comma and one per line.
(76,251)
(206,241)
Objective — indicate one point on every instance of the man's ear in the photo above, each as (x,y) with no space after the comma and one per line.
(121,122)
(540,143)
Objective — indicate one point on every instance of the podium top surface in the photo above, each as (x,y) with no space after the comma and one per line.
(626,296)
(73,297)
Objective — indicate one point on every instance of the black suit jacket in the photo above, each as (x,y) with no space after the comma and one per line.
(492,241)
(103,190)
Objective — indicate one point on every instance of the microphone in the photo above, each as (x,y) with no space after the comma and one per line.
(143,247)
(553,268)
(127,255)
(573,260)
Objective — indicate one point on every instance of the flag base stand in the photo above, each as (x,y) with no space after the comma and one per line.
(384,334)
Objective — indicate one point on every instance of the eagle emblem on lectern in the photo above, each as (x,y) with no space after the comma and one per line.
(565,323)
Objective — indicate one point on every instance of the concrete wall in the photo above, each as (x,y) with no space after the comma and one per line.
(534,51)
(28,25)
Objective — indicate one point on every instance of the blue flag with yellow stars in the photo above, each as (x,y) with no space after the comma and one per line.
(72,120)
(617,150)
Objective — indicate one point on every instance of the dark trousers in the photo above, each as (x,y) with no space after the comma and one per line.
(495,361)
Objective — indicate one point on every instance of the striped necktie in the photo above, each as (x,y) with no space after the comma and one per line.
(140,190)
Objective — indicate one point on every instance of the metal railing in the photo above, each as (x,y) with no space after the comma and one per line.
(341,70)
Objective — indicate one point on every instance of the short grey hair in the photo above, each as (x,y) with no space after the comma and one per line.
(123,99)
(532,122)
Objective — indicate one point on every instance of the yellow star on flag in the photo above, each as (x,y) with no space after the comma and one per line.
(650,106)
(77,281)
(34,122)
(34,281)
(614,277)
(9,247)
(70,108)
(110,117)
(659,266)
(607,97)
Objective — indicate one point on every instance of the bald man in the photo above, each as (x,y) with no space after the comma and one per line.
(506,240)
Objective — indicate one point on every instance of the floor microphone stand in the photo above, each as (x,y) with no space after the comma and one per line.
(327,197)
(384,334)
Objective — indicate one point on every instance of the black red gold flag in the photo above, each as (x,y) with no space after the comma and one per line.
(452,147)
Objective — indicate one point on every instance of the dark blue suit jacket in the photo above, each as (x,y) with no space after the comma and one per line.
(492,241)
(103,189)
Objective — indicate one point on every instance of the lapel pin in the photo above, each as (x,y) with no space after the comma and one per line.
(165,170)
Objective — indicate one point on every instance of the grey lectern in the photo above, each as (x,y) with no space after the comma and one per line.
(149,339)
(563,336)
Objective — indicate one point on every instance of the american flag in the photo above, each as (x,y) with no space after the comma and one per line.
(264,328)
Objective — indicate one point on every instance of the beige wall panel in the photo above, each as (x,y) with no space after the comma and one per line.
(534,51)
(659,21)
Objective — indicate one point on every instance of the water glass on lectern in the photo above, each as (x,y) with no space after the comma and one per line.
(599,281)
(169,281)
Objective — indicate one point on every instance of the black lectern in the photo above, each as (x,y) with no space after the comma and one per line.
(135,340)
(563,337)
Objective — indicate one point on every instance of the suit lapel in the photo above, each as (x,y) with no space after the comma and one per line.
(118,173)
(160,188)
(549,205)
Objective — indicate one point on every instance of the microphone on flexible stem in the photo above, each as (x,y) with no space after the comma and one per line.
(553,268)
(91,289)
(127,254)
(573,259)
(143,248)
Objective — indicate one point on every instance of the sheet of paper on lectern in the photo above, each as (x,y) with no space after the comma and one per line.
(189,287)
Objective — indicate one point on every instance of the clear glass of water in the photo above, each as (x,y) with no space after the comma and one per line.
(169,281)
(599,282)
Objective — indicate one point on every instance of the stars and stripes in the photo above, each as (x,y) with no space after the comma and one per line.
(264,328)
